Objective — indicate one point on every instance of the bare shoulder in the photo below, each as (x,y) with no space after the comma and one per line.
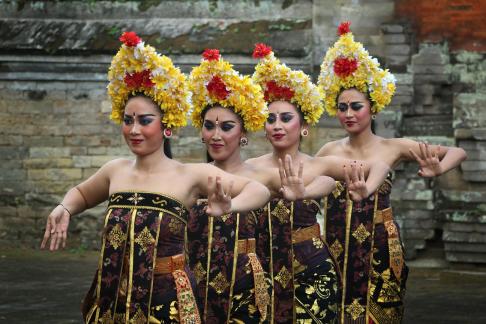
(331,148)
(116,165)
(261,161)
(399,144)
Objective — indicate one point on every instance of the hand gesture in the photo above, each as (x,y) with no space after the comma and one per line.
(428,161)
(292,185)
(219,201)
(56,228)
(355,181)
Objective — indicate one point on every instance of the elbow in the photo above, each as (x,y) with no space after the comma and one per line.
(462,154)
(331,184)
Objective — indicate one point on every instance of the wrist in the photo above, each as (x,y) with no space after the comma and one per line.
(67,210)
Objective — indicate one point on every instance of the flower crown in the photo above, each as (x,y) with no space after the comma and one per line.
(215,81)
(279,82)
(139,68)
(348,65)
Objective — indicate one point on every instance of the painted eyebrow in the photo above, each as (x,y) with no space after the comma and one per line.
(226,121)
(143,115)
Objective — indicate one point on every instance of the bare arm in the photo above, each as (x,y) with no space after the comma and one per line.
(230,193)
(85,195)
(433,160)
(319,187)
(372,173)
(293,185)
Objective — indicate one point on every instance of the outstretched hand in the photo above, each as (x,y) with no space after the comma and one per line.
(56,229)
(355,181)
(292,184)
(428,161)
(219,201)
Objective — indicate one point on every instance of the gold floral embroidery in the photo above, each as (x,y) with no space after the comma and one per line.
(219,283)
(145,239)
(135,198)
(159,201)
(317,242)
(106,318)
(116,198)
(139,317)
(355,309)
(175,225)
(390,290)
(337,191)
(336,249)
(361,234)
(298,267)
(116,237)
(283,277)
(199,272)
(225,217)
(322,286)
(281,212)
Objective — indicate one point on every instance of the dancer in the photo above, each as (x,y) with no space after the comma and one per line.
(142,276)
(363,237)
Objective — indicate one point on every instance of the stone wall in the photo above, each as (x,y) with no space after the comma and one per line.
(55,132)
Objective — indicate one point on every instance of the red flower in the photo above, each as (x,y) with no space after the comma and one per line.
(344,66)
(130,39)
(275,92)
(139,79)
(217,88)
(211,54)
(344,28)
(261,50)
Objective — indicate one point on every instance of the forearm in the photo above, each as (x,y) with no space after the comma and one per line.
(376,176)
(319,187)
(253,196)
(74,201)
(452,159)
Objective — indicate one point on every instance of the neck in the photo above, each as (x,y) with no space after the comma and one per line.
(281,153)
(150,162)
(232,164)
(362,139)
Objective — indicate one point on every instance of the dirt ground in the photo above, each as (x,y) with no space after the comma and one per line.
(44,287)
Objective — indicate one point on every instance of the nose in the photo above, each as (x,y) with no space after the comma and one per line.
(349,112)
(135,128)
(277,124)
(216,134)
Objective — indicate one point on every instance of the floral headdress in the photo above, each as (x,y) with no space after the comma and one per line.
(139,68)
(279,82)
(348,65)
(215,81)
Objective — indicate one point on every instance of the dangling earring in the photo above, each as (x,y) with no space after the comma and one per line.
(373,117)
(243,141)
(202,140)
(304,132)
(167,133)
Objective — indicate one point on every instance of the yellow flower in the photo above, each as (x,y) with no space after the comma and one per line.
(244,97)
(169,90)
(367,78)
(306,95)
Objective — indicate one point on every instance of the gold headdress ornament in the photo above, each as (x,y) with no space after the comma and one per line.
(215,81)
(279,82)
(348,65)
(139,68)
